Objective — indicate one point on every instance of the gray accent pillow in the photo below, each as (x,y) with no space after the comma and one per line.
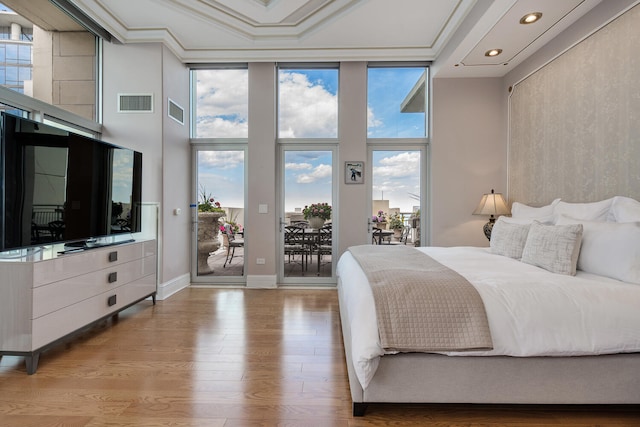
(553,247)
(508,238)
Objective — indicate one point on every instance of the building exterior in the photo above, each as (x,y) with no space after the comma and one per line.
(16,52)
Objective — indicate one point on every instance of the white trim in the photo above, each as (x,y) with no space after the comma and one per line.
(262,281)
(165,290)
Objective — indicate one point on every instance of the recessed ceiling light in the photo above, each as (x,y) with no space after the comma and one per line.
(493,52)
(530,18)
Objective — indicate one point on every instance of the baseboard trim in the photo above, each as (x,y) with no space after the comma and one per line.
(262,281)
(165,290)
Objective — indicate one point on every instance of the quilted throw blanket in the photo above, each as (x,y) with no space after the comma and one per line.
(422,305)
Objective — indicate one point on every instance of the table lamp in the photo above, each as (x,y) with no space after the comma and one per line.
(491,204)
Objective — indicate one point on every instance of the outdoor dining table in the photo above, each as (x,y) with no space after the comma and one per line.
(380,235)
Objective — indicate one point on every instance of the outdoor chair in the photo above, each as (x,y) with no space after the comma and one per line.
(296,245)
(234,243)
(324,244)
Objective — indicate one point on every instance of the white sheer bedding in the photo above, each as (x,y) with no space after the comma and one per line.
(531,311)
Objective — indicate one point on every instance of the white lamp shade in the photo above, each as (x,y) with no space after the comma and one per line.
(492,204)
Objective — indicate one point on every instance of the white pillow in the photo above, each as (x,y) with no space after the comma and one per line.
(609,249)
(624,209)
(553,247)
(520,210)
(595,211)
(543,219)
(508,238)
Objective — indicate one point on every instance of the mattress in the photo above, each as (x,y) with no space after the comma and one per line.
(531,312)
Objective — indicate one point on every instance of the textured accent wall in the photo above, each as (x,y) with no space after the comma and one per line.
(575,123)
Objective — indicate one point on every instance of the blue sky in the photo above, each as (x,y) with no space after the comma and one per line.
(308,109)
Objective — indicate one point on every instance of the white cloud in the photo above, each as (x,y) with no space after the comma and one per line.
(298,166)
(372,120)
(307,110)
(400,165)
(216,127)
(220,159)
(222,103)
(319,172)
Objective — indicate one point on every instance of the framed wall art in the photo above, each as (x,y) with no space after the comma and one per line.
(353,172)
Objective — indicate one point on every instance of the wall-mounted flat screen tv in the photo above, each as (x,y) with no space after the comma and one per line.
(59,186)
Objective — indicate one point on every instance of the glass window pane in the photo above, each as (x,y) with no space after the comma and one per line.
(12,53)
(396,179)
(12,75)
(222,103)
(24,54)
(220,180)
(24,73)
(307,178)
(396,100)
(308,103)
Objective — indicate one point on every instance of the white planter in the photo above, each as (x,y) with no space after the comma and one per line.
(316,222)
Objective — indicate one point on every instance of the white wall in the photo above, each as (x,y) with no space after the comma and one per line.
(152,69)
(176,173)
(260,229)
(352,199)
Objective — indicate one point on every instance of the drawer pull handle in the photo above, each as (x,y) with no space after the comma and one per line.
(111,300)
(113,277)
(113,256)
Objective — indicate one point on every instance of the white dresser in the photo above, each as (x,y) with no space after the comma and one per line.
(46,296)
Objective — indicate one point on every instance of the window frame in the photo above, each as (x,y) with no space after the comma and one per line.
(193,100)
(403,64)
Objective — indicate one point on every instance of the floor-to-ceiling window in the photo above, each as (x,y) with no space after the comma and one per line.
(219,142)
(397,134)
(307,139)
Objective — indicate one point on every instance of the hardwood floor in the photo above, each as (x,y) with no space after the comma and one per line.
(231,357)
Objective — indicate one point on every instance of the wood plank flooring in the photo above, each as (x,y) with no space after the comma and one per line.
(231,357)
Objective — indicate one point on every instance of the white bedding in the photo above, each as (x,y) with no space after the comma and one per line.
(531,311)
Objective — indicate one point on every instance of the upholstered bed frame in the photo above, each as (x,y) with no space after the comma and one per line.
(434,378)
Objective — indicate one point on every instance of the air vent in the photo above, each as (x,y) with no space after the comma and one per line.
(176,112)
(135,103)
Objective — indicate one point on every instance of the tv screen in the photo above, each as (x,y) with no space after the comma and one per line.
(59,186)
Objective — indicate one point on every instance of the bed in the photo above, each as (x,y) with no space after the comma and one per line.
(561,334)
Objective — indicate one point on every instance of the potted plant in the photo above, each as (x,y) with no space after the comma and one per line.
(209,212)
(317,214)
(380,220)
(396,224)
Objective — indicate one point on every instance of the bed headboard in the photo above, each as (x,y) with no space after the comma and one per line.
(574,126)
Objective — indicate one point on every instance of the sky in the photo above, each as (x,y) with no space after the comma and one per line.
(308,108)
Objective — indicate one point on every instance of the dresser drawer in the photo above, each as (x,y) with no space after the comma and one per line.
(76,264)
(57,295)
(62,322)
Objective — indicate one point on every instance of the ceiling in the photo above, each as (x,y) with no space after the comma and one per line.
(455,33)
